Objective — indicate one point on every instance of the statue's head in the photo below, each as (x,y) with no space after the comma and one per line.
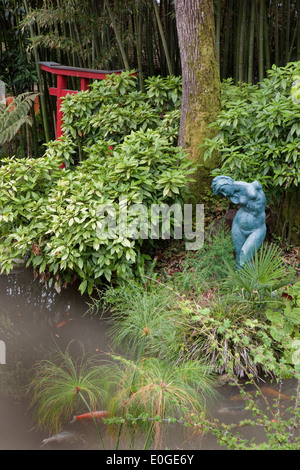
(223,185)
(239,192)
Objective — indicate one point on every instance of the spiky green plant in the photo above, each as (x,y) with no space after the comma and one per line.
(13,116)
(155,388)
(260,277)
(63,386)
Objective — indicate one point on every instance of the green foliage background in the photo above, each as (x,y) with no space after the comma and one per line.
(50,214)
(259,139)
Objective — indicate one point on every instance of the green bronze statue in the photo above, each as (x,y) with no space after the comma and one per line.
(249,225)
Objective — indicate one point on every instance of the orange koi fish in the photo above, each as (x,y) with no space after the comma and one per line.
(269,391)
(240,397)
(62,323)
(89,416)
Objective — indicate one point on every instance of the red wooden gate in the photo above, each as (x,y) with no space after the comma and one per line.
(63,72)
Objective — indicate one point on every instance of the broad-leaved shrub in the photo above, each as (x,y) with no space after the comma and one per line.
(259,137)
(54,216)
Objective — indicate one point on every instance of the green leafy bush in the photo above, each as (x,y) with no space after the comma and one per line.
(232,337)
(259,137)
(113,108)
(285,319)
(52,214)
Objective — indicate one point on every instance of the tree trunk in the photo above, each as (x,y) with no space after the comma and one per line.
(200,83)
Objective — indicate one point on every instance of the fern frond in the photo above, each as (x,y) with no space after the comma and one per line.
(13,116)
(9,132)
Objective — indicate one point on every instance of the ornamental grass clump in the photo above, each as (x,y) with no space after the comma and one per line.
(142,319)
(63,386)
(152,388)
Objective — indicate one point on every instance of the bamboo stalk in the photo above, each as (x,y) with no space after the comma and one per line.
(170,27)
(97,34)
(298,35)
(295,34)
(237,39)
(283,30)
(118,37)
(64,30)
(261,41)
(163,38)
(287,31)
(40,83)
(149,41)
(81,55)
(34,133)
(251,43)
(19,31)
(227,38)
(241,41)
(276,34)
(25,134)
(266,40)
(138,27)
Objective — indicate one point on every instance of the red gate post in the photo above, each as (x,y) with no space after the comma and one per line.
(61,85)
(62,72)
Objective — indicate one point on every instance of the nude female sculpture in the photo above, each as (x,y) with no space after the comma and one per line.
(249,225)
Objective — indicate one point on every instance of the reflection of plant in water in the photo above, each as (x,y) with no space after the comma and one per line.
(13,375)
(7,330)
(12,382)
(62,386)
(21,345)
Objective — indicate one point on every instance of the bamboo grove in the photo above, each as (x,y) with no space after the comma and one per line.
(251,35)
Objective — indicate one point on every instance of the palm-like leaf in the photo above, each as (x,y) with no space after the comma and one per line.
(13,116)
(262,275)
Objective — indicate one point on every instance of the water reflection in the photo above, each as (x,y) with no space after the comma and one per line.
(38,315)
(34,320)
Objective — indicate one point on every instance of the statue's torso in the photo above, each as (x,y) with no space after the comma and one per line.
(250,216)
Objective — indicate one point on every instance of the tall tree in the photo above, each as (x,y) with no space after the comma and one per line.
(200,80)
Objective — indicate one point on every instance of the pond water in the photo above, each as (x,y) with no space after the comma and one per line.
(33,321)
